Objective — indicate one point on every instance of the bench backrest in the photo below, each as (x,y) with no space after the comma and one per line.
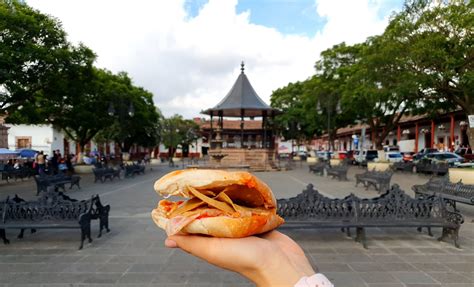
(52,206)
(442,185)
(394,206)
(311,204)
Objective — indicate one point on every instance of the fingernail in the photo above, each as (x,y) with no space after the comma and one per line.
(170,243)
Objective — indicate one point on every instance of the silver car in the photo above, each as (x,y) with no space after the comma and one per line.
(450,157)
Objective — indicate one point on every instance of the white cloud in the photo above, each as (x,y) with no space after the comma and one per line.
(189,64)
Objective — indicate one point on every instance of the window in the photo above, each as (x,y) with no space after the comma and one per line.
(23,142)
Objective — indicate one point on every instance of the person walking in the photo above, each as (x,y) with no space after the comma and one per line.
(40,161)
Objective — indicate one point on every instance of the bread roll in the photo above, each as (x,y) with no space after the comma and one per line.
(254,200)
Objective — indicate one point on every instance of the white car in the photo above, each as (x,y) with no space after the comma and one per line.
(393,156)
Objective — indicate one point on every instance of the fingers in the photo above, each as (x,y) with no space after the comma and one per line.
(230,253)
(170,243)
(196,245)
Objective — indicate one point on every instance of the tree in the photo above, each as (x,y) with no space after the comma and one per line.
(381,89)
(174,131)
(291,123)
(328,87)
(75,100)
(32,47)
(438,37)
(132,112)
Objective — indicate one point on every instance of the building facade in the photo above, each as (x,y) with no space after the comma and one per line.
(413,133)
(48,139)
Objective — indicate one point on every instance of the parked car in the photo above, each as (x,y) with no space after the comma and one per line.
(389,148)
(324,154)
(407,156)
(465,152)
(342,155)
(367,155)
(350,156)
(424,152)
(355,155)
(302,154)
(393,156)
(450,157)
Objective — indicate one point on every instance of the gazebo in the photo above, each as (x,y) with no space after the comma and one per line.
(242,102)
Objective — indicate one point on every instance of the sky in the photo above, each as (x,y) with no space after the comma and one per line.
(188,52)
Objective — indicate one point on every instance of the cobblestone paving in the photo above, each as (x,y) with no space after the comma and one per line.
(132,254)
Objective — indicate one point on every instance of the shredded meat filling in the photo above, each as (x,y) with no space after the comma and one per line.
(204,199)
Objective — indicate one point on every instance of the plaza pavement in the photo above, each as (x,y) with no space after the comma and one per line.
(132,254)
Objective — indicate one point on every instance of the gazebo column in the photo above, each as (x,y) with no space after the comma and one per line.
(210,134)
(264,127)
(272,145)
(242,128)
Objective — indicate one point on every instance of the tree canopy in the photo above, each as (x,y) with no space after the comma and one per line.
(46,80)
(32,49)
(421,64)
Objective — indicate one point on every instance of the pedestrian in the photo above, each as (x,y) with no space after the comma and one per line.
(54,162)
(41,162)
(16,164)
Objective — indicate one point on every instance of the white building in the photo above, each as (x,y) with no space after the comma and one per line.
(47,139)
(38,137)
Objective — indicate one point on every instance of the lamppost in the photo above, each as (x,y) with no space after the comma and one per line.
(130,112)
(169,128)
(190,136)
(329,108)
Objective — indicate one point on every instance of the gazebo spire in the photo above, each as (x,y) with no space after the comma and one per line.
(242,100)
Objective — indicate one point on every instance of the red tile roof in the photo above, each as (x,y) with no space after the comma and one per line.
(230,124)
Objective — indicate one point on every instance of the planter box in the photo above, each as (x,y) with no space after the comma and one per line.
(83,169)
(155,161)
(378,166)
(311,160)
(466,175)
(335,161)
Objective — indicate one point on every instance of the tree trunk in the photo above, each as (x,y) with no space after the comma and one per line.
(80,159)
(470,136)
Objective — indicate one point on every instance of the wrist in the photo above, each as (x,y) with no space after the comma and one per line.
(280,273)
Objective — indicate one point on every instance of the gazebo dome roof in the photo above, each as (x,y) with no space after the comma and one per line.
(242,100)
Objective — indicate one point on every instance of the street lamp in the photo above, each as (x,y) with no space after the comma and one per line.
(130,112)
(191,135)
(169,128)
(329,106)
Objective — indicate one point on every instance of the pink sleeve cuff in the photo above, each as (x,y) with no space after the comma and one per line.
(316,280)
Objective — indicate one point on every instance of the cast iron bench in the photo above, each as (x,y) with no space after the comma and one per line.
(380,180)
(439,168)
(53,210)
(134,169)
(21,173)
(339,171)
(403,166)
(104,173)
(451,192)
(310,209)
(56,181)
(318,167)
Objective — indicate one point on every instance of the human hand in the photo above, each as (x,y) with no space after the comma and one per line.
(270,259)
